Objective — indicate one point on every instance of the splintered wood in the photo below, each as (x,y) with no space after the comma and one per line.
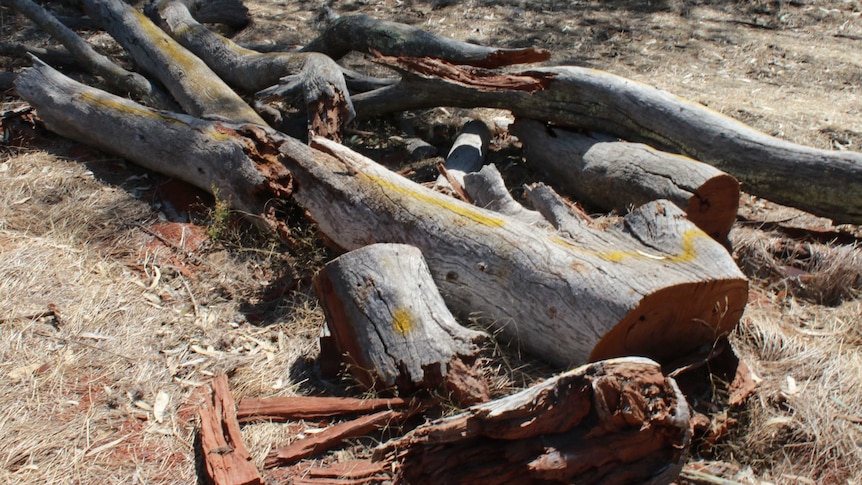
(225,456)
(614,422)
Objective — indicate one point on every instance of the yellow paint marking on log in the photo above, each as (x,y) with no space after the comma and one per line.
(167,45)
(402,321)
(453,206)
(118,104)
(687,253)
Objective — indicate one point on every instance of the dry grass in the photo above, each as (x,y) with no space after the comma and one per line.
(137,318)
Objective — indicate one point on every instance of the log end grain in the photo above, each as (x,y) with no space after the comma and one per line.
(714,205)
(676,320)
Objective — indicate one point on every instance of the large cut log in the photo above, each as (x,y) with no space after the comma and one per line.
(612,422)
(225,456)
(195,87)
(825,183)
(365,34)
(616,175)
(391,325)
(654,285)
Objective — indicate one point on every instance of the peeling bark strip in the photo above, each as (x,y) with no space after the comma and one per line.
(195,87)
(615,175)
(278,409)
(242,167)
(365,34)
(654,285)
(825,183)
(331,437)
(389,321)
(226,458)
(612,422)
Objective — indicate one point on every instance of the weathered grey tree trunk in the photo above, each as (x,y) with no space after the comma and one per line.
(365,34)
(327,101)
(825,183)
(124,81)
(654,285)
(195,87)
(616,175)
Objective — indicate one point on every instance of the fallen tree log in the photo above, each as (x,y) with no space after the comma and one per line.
(616,175)
(366,34)
(612,422)
(326,99)
(195,87)
(654,285)
(825,183)
(124,81)
(467,154)
(390,324)
(487,189)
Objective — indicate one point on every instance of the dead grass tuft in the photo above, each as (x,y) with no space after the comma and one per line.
(804,419)
(822,273)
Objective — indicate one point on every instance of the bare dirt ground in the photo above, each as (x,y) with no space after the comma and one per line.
(111,315)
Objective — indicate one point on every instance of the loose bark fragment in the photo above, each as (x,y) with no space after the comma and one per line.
(226,458)
(306,407)
(612,422)
(199,91)
(366,34)
(331,437)
(475,78)
(389,321)
(124,81)
(615,175)
(825,183)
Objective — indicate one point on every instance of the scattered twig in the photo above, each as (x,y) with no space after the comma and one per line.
(456,186)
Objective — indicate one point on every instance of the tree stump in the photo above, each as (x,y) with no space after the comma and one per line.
(389,321)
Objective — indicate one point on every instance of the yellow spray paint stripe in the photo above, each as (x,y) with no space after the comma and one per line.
(452,206)
(686,254)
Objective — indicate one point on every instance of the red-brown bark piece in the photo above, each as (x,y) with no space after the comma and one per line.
(226,458)
(613,422)
(480,79)
(331,437)
(310,407)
